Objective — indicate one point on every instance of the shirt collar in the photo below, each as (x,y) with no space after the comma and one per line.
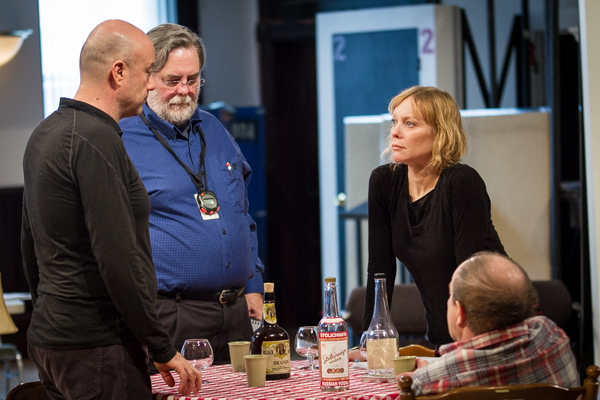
(93,111)
(489,338)
(167,129)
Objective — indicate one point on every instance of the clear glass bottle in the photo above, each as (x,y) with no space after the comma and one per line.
(382,336)
(272,340)
(334,368)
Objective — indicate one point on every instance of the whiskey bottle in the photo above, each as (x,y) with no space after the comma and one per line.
(333,344)
(272,340)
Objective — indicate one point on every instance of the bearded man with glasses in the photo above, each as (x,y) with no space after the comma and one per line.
(204,242)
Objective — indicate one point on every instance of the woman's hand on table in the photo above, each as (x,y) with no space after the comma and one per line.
(191,378)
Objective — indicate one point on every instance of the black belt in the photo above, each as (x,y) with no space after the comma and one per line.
(223,297)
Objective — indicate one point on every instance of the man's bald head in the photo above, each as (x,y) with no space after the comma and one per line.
(110,41)
(116,62)
(494,291)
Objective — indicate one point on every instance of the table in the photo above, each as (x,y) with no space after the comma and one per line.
(15,302)
(227,385)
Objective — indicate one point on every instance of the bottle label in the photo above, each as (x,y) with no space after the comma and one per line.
(278,356)
(381,353)
(333,359)
(269,313)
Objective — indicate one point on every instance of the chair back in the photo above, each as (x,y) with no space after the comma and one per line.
(555,301)
(408,314)
(589,391)
(416,350)
(28,391)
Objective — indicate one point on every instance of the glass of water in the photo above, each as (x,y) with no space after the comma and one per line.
(199,353)
(307,344)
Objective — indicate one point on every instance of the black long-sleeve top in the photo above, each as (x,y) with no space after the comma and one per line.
(431,236)
(85,240)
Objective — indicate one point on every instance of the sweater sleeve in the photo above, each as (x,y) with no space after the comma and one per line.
(114,213)
(30,264)
(254,284)
(471,213)
(381,253)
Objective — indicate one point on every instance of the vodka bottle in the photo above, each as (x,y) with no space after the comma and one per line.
(333,344)
(382,336)
(272,340)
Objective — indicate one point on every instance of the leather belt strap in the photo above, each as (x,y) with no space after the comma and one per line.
(223,297)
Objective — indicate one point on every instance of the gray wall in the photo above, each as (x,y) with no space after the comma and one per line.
(228,28)
(21,106)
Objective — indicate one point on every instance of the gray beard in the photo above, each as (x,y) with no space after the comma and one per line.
(179,116)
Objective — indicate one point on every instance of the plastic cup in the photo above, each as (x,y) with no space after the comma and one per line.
(256,369)
(404,364)
(237,351)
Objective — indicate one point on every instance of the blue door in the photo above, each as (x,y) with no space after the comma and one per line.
(370,68)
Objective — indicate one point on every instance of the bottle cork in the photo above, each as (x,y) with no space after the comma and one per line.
(269,287)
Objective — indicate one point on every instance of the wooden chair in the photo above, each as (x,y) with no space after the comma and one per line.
(28,391)
(589,391)
(416,350)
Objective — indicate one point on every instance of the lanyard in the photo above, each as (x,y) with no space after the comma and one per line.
(200,180)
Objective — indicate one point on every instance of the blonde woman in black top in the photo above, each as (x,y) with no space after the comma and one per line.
(425,208)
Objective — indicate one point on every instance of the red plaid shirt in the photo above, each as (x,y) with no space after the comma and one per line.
(532,351)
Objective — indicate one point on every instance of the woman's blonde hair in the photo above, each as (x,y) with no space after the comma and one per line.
(438,109)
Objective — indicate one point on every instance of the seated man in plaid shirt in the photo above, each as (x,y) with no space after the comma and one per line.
(498,340)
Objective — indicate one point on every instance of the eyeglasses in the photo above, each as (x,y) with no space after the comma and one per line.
(193,83)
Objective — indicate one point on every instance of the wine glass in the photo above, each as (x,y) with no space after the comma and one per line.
(363,345)
(307,345)
(199,353)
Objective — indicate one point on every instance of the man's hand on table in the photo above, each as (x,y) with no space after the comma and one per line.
(255,305)
(191,378)
(420,364)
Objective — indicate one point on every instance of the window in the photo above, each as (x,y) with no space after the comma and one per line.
(66,24)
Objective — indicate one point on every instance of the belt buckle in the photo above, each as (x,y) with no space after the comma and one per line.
(224,292)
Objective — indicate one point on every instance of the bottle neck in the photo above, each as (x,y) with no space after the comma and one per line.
(381,311)
(331,305)
(269,314)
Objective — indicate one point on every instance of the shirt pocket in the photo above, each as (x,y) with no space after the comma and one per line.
(233,173)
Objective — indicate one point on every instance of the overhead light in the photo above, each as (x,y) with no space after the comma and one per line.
(10,43)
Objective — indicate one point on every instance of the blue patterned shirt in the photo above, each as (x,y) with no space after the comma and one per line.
(192,254)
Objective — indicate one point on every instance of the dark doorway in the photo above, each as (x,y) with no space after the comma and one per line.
(288,73)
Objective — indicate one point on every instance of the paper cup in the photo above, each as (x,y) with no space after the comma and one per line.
(256,369)
(237,351)
(404,364)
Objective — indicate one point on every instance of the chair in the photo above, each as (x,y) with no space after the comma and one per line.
(28,391)
(555,301)
(416,350)
(8,352)
(408,314)
(589,391)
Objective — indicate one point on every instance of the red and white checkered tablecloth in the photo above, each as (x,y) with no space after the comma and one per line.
(302,385)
